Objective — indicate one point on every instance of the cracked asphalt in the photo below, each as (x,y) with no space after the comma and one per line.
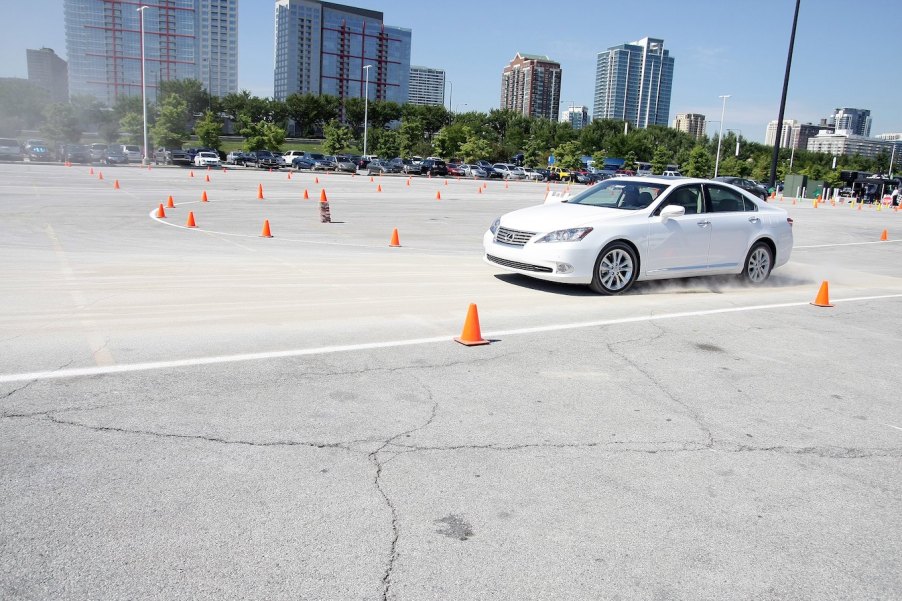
(670,451)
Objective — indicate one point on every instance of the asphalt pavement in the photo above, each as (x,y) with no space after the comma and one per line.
(207,413)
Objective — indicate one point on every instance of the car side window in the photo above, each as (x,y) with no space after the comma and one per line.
(750,205)
(724,200)
(688,197)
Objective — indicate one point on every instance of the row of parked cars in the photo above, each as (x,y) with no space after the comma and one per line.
(39,151)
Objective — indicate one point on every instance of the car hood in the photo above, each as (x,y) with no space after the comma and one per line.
(559,216)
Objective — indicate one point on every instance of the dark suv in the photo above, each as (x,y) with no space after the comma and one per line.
(433,167)
(263,158)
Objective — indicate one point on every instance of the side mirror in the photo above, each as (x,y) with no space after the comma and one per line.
(671,211)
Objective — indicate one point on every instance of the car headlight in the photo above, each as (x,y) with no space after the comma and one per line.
(495,224)
(572,235)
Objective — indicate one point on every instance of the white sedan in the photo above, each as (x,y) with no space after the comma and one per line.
(623,230)
(206,159)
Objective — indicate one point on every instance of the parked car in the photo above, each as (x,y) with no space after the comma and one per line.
(475,171)
(455,170)
(133,153)
(76,153)
(345,164)
(98,150)
(262,158)
(507,171)
(745,184)
(377,167)
(291,155)
(235,157)
(280,157)
(672,174)
(171,156)
(534,175)
(326,163)
(112,156)
(205,158)
(623,230)
(489,170)
(307,160)
(36,150)
(10,150)
(400,165)
(432,166)
(412,168)
(559,174)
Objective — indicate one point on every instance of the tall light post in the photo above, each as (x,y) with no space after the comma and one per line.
(143,87)
(720,135)
(366,101)
(738,138)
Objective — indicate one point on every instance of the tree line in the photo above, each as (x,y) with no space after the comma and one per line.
(183,108)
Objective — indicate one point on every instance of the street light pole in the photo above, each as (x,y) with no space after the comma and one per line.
(720,135)
(143,87)
(738,138)
(366,100)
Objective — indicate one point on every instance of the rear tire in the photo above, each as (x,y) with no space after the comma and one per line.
(615,270)
(758,264)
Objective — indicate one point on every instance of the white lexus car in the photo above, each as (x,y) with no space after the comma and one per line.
(206,159)
(643,228)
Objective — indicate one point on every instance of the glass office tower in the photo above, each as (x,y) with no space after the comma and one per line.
(633,83)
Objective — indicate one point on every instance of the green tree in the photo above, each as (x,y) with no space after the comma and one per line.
(447,142)
(61,125)
(386,143)
(22,106)
(262,135)
(337,137)
(700,163)
(432,117)
(191,91)
(411,137)
(132,126)
(475,148)
(567,155)
(208,130)
(311,112)
(598,158)
(630,160)
(171,128)
(660,160)
(353,114)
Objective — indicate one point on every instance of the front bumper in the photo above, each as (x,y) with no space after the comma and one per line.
(568,262)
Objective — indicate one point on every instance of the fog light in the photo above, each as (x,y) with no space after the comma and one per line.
(564,268)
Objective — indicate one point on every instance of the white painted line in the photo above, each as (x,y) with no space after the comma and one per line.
(324,350)
(844,244)
(896,427)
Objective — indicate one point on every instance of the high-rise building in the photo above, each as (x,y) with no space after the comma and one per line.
(531,85)
(322,48)
(770,136)
(633,83)
(183,39)
(427,86)
(691,123)
(844,143)
(856,121)
(49,72)
(576,116)
(802,132)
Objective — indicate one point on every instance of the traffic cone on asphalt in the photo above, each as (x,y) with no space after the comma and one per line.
(408,181)
(161,214)
(438,195)
(883,236)
(203,197)
(191,173)
(306,195)
(91,172)
(379,188)
(266,233)
(260,191)
(191,222)
(823,296)
(395,241)
(289,175)
(471,336)
(100,175)
(207,177)
(325,213)
(479,190)
(316,180)
(170,204)
(116,185)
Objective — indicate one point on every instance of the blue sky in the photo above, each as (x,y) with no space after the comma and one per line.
(720,47)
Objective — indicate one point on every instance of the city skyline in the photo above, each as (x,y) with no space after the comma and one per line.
(713,57)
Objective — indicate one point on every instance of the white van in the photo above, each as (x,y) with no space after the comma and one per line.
(132,152)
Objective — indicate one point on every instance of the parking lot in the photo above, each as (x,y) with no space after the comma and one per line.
(208,413)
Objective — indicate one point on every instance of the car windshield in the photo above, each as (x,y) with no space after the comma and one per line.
(208,155)
(620,194)
(316,157)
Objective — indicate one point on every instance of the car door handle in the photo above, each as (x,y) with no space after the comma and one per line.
(704,223)
(754,220)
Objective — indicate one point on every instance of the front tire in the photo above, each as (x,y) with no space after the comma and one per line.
(758,264)
(616,269)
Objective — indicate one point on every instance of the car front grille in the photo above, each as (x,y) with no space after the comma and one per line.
(518,264)
(512,237)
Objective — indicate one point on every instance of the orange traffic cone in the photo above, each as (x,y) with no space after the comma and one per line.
(438,195)
(883,236)
(379,188)
(479,190)
(408,181)
(823,297)
(371,179)
(260,191)
(207,177)
(471,336)
(170,204)
(191,173)
(446,182)
(91,172)
(289,175)
(100,175)
(306,194)
(322,196)
(161,214)
(203,197)
(266,233)
(116,185)
(316,180)
(191,222)
(395,241)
